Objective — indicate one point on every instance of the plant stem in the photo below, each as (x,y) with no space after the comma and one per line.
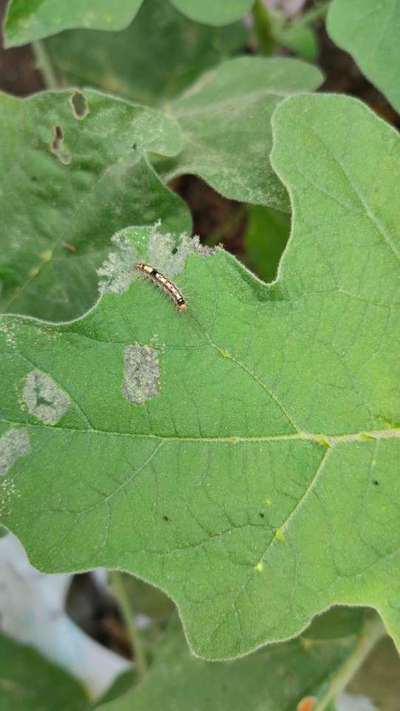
(127,612)
(262,24)
(44,65)
(372,632)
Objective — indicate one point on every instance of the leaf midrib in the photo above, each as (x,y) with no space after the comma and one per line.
(325,440)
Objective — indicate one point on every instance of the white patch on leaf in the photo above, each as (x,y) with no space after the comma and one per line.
(118,271)
(164,251)
(142,374)
(14,443)
(43,398)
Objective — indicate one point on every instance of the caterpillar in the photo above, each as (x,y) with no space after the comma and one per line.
(164,283)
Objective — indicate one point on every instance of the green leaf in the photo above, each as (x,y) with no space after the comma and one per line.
(369,30)
(213,13)
(178,681)
(242,456)
(26,22)
(28,682)
(265,239)
(139,63)
(73,170)
(226,119)
(298,36)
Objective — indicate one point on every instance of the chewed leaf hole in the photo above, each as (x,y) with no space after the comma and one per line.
(57,146)
(80,105)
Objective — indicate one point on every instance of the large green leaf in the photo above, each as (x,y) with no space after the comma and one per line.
(225,116)
(214,13)
(29,21)
(226,122)
(28,682)
(73,170)
(243,456)
(369,30)
(178,681)
(140,63)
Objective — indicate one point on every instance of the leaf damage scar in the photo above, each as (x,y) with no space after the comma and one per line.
(164,284)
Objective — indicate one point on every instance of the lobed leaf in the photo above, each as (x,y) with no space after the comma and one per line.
(369,31)
(225,116)
(226,121)
(74,168)
(243,456)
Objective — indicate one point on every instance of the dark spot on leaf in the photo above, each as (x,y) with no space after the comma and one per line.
(57,146)
(261,515)
(58,137)
(376,483)
(174,250)
(80,105)
(134,147)
(165,518)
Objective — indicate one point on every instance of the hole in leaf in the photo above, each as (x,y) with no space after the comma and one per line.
(80,105)
(57,146)
(58,138)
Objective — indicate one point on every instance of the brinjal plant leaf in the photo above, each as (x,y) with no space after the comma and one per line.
(178,681)
(140,63)
(369,30)
(226,121)
(214,13)
(243,455)
(74,169)
(28,682)
(29,21)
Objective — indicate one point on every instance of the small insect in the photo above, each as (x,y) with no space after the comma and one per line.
(164,283)
(69,247)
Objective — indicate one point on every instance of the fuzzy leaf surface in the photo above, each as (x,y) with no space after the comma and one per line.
(74,169)
(226,121)
(370,32)
(244,455)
